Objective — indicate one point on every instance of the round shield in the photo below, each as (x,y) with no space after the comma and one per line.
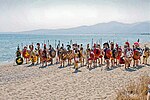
(26,54)
(92,55)
(70,54)
(63,55)
(114,53)
(53,53)
(119,52)
(129,53)
(108,53)
(33,59)
(136,55)
(121,60)
(19,61)
(97,52)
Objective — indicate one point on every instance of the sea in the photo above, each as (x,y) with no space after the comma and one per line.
(9,42)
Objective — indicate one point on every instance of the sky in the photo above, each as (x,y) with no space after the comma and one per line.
(24,15)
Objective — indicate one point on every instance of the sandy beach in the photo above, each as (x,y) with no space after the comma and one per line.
(53,83)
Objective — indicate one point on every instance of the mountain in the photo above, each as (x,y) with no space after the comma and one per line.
(111,27)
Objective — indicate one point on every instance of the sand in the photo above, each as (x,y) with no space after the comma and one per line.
(31,82)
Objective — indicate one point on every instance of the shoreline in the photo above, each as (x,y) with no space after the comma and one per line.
(7,62)
(13,60)
(51,82)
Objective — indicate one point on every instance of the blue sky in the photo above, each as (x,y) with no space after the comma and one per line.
(22,15)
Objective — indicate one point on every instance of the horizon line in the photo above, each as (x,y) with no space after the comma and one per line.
(74,26)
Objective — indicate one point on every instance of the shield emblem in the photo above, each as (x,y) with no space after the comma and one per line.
(53,53)
(19,60)
(63,55)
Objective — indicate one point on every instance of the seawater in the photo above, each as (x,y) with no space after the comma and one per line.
(9,42)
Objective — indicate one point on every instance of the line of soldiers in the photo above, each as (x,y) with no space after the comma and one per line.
(111,54)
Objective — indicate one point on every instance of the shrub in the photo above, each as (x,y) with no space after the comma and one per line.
(135,90)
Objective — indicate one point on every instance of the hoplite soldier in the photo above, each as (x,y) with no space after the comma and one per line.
(44,56)
(19,59)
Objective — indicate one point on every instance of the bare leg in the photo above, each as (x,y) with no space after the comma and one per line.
(101,60)
(112,62)
(83,61)
(137,62)
(26,60)
(108,63)
(148,96)
(42,63)
(133,63)
(63,63)
(68,61)
(125,65)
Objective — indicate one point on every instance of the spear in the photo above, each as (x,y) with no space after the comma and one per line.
(55,43)
(92,43)
(59,42)
(22,45)
(48,42)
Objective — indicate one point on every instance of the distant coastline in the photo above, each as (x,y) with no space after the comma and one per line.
(109,27)
(145,33)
